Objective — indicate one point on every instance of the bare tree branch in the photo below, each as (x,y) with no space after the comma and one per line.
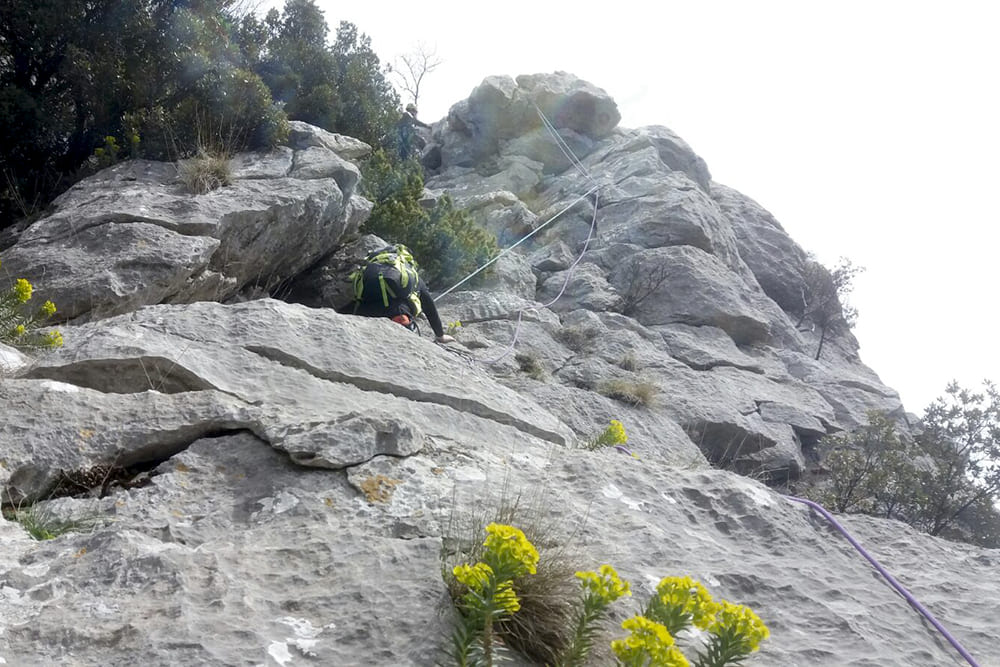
(412,67)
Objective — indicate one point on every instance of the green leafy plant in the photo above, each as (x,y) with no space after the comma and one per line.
(18,323)
(632,392)
(42,524)
(824,298)
(448,244)
(598,591)
(453,328)
(540,629)
(612,435)
(944,481)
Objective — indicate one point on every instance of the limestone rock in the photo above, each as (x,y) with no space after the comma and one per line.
(499,110)
(268,483)
(303,136)
(696,289)
(11,360)
(775,259)
(132,235)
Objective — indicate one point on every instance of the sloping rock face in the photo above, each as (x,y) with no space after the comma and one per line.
(266,483)
(133,235)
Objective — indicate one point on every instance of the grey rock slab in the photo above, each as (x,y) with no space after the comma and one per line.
(540,146)
(354,438)
(111,268)
(471,307)
(583,286)
(303,136)
(12,360)
(798,419)
(275,163)
(94,428)
(131,236)
(705,347)
(318,162)
(500,109)
(300,358)
(696,289)
(569,102)
(231,555)
(677,154)
(775,259)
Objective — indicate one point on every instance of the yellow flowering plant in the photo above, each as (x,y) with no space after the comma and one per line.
(613,435)
(599,589)
(489,592)
(734,631)
(18,322)
(680,602)
(648,645)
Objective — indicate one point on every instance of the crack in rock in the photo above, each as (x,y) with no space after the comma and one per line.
(462,404)
(133,375)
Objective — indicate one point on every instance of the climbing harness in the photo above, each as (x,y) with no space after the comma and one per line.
(888,577)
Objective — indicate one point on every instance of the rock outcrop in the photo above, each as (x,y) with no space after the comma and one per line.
(252,481)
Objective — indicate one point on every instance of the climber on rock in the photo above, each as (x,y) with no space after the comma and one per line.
(387,285)
(408,140)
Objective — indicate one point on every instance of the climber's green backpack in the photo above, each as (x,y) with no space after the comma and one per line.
(388,276)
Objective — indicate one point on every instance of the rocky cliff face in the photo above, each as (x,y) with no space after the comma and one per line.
(261,482)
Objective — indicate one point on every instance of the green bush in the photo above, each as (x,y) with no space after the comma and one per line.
(944,481)
(445,241)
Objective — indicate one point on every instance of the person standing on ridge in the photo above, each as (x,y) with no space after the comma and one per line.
(408,140)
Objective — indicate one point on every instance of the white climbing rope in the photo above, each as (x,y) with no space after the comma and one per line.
(568,152)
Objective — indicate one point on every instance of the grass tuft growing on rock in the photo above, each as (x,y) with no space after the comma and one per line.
(631,392)
(42,524)
(205,172)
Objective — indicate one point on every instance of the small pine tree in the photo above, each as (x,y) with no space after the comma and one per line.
(446,242)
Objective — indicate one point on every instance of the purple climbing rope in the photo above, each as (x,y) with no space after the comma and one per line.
(891,579)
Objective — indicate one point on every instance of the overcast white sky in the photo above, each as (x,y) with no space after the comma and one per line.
(868,128)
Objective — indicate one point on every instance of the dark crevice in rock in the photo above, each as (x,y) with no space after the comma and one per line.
(726,445)
(719,364)
(368,384)
(182,229)
(126,469)
(133,375)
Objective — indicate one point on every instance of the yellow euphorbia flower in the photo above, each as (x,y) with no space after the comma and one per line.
(22,290)
(688,597)
(606,586)
(507,547)
(741,623)
(476,577)
(648,643)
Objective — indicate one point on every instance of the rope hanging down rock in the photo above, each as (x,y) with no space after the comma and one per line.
(568,152)
(891,579)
